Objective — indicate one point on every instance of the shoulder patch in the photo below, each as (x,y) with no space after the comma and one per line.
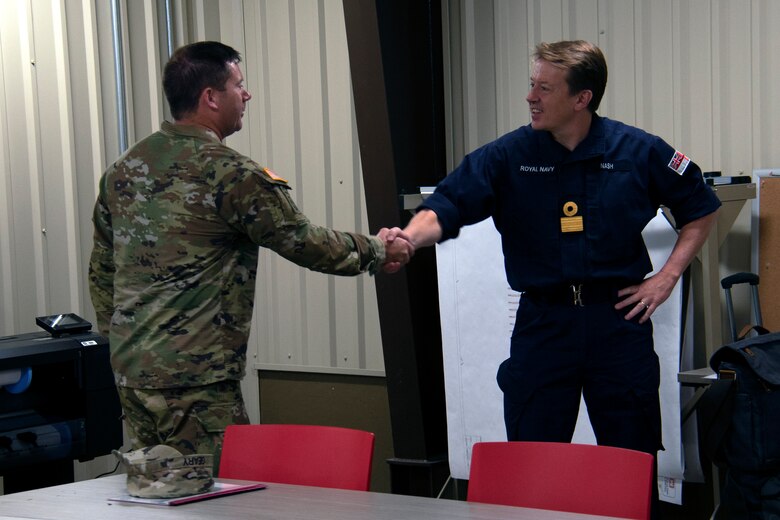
(273,176)
(679,163)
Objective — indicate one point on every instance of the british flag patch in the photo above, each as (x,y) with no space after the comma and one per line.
(679,162)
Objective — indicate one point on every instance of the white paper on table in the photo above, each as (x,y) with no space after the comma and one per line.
(477,315)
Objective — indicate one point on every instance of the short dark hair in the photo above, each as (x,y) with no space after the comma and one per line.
(585,65)
(193,68)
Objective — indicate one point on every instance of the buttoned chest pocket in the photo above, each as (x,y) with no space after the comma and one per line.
(618,210)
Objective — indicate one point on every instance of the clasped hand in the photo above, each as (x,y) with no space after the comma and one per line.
(398,249)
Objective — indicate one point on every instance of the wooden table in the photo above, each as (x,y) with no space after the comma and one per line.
(89,500)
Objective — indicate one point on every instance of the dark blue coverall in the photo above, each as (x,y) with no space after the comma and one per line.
(572,220)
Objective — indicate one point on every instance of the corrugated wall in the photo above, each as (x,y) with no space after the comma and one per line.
(700,73)
(301,126)
(41,242)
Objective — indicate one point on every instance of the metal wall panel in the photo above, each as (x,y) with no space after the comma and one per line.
(301,126)
(24,289)
(699,73)
(764,81)
(51,145)
(693,72)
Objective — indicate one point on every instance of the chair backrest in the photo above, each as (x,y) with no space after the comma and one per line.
(577,478)
(324,456)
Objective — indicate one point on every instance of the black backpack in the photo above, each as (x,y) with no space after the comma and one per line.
(739,425)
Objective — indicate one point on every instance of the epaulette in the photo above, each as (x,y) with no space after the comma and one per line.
(273,176)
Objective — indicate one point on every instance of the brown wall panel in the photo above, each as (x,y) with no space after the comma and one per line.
(332,400)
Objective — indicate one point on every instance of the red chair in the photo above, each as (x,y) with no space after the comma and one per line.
(324,456)
(577,478)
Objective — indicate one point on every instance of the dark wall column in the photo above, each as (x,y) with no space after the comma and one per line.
(395,57)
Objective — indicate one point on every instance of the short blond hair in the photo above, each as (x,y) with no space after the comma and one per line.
(584,62)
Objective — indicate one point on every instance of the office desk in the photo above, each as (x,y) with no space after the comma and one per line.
(88,500)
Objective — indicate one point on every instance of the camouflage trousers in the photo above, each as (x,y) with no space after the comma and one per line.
(190,419)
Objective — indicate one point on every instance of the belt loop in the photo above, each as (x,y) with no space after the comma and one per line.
(577,289)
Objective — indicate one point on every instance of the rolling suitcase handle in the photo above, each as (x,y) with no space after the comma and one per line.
(736,279)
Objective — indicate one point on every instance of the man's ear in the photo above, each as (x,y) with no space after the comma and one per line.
(208,98)
(583,99)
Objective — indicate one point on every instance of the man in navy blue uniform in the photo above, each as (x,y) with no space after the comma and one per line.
(570,195)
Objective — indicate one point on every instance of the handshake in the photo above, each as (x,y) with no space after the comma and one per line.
(398,248)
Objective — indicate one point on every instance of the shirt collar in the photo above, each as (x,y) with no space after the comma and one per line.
(593,145)
(196,131)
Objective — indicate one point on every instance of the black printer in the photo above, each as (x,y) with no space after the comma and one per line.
(58,402)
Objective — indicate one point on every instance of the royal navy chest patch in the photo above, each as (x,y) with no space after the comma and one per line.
(679,163)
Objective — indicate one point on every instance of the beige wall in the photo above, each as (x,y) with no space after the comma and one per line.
(700,73)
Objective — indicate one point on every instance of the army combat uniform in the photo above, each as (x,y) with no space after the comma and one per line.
(178,222)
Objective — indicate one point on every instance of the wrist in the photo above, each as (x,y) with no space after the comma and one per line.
(669,272)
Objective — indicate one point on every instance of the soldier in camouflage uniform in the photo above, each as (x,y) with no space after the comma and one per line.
(178,221)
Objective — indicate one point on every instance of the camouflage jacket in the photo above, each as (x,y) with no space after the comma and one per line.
(178,221)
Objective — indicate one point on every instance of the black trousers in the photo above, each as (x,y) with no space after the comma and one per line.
(560,351)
